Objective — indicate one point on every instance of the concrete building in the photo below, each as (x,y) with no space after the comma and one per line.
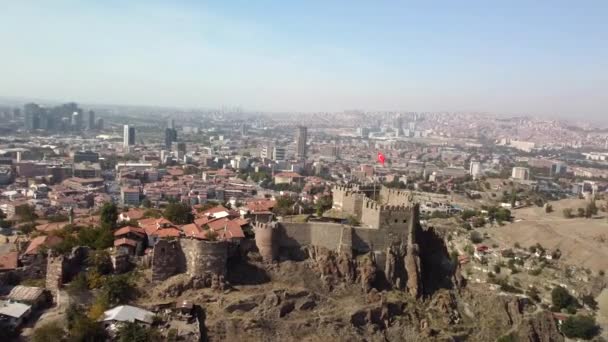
(520,173)
(86,170)
(475,169)
(301,138)
(85,156)
(129,196)
(129,136)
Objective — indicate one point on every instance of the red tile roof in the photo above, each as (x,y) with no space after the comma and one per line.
(9,261)
(168,232)
(44,240)
(261,205)
(129,229)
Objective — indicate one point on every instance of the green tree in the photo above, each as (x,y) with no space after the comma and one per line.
(26,213)
(133,332)
(87,330)
(580,327)
(591,209)
(50,332)
(284,206)
(100,261)
(119,289)
(178,213)
(562,299)
(567,213)
(146,203)
(467,214)
(502,214)
(109,215)
(323,204)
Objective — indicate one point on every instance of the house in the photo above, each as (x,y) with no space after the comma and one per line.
(126,314)
(287,178)
(44,241)
(156,228)
(127,245)
(14,313)
(131,214)
(133,233)
(35,296)
(9,261)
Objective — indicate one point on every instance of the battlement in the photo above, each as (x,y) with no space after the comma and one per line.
(380,216)
(396,196)
(258,226)
(370,204)
(346,188)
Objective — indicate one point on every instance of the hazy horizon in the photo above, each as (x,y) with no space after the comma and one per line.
(547,60)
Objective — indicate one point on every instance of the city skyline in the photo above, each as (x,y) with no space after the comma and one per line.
(524,59)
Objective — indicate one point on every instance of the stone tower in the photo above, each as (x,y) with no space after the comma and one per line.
(266,240)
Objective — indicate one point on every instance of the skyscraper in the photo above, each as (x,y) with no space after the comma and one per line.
(129,136)
(90,120)
(301,137)
(170,137)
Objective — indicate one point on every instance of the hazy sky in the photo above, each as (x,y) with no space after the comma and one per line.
(537,57)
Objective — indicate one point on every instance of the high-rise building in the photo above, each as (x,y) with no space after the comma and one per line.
(32,113)
(301,137)
(171,123)
(475,169)
(278,153)
(398,126)
(90,120)
(100,124)
(129,136)
(170,137)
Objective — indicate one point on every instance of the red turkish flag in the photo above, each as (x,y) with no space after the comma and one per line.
(381,158)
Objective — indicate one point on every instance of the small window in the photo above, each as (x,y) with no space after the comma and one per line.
(396,220)
(404,221)
(162,250)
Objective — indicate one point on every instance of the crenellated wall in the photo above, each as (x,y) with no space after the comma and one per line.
(348,199)
(396,197)
(376,216)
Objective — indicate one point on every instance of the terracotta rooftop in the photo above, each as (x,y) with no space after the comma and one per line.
(9,261)
(129,229)
(44,240)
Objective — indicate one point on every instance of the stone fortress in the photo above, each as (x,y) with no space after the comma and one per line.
(389,233)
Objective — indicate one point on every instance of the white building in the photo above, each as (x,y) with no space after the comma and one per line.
(520,173)
(475,169)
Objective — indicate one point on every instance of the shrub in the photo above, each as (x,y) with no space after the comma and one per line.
(580,327)
(475,237)
(49,332)
(567,213)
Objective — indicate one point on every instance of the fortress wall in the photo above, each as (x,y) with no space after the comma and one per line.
(204,257)
(395,196)
(167,259)
(266,235)
(321,234)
